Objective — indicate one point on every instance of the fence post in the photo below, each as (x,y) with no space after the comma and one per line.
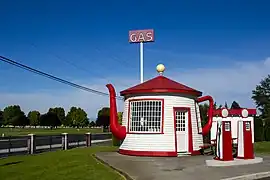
(50,143)
(31,143)
(65,141)
(9,144)
(88,139)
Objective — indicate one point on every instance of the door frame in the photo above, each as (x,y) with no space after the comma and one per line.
(189,128)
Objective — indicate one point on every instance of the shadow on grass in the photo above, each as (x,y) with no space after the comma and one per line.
(11,163)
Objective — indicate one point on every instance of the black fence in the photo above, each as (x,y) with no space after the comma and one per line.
(15,145)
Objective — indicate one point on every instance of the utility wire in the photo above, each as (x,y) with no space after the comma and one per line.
(14,63)
(122,62)
(76,66)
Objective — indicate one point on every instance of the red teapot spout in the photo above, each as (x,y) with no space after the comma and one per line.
(208,125)
(117,130)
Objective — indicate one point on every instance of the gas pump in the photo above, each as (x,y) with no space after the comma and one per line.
(245,144)
(224,138)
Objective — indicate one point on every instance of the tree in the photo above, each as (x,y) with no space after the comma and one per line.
(204,118)
(49,119)
(92,124)
(20,120)
(34,118)
(60,112)
(77,117)
(258,129)
(103,118)
(1,118)
(235,105)
(115,141)
(261,96)
(226,105)
(215,105)
(104,111)
(11,112)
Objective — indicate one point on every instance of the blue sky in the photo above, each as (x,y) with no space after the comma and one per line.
(201,43)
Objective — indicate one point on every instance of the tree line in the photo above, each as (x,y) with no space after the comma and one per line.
(77,117)
(13,115)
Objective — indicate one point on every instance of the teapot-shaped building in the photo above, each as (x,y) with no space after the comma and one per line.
(161,118)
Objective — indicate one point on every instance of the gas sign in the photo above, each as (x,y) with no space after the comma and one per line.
(137,36)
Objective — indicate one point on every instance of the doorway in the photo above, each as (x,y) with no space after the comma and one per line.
(181,129)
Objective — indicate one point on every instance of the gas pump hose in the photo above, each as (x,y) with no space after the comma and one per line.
(218,142)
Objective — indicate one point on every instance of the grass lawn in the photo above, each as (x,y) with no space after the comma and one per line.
(40,131)
(262,147)
(74,164)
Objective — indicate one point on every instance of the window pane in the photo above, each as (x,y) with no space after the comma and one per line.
(145,115)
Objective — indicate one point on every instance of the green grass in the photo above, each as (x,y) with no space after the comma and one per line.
(74,164)
(262,147)
(40,131)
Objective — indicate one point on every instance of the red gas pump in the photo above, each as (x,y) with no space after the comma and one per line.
(224,138)
(245,144)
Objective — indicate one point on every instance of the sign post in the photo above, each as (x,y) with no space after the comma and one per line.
(141,60)
(141,36)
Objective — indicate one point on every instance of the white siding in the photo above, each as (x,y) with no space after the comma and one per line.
(166,141)
(234,121)
(240,148)
(199,122)
(213,131)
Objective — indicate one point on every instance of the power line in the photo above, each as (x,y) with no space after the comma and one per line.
(122,62)
(14,63)
(76,66)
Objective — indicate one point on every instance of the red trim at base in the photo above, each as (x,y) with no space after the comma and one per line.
(245,158)
(148,153)
(198,152)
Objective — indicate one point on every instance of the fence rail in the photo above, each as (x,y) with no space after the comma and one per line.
(31,144)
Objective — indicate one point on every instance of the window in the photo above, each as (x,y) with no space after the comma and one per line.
(180,120)
(227,126)
(248,126)
(145,116)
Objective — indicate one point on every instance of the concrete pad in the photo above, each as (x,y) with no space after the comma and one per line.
(235,162)
(175,168)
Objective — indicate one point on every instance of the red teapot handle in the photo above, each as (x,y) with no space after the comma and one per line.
(208,125)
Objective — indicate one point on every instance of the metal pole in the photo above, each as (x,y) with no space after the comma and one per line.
(141,60)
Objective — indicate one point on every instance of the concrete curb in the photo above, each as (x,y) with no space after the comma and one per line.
(250,176)
(235,162)
(120,172)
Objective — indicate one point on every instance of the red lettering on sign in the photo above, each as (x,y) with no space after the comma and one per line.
(141,36)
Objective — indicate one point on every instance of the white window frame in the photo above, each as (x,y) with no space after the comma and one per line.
(144,118)
(181,120)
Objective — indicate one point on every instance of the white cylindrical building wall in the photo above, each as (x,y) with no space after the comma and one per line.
(165,141)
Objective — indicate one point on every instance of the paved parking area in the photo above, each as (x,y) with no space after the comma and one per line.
(172,168)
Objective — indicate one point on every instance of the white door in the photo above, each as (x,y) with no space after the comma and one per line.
(181,119)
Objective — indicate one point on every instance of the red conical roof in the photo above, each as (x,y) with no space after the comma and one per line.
(160,84)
